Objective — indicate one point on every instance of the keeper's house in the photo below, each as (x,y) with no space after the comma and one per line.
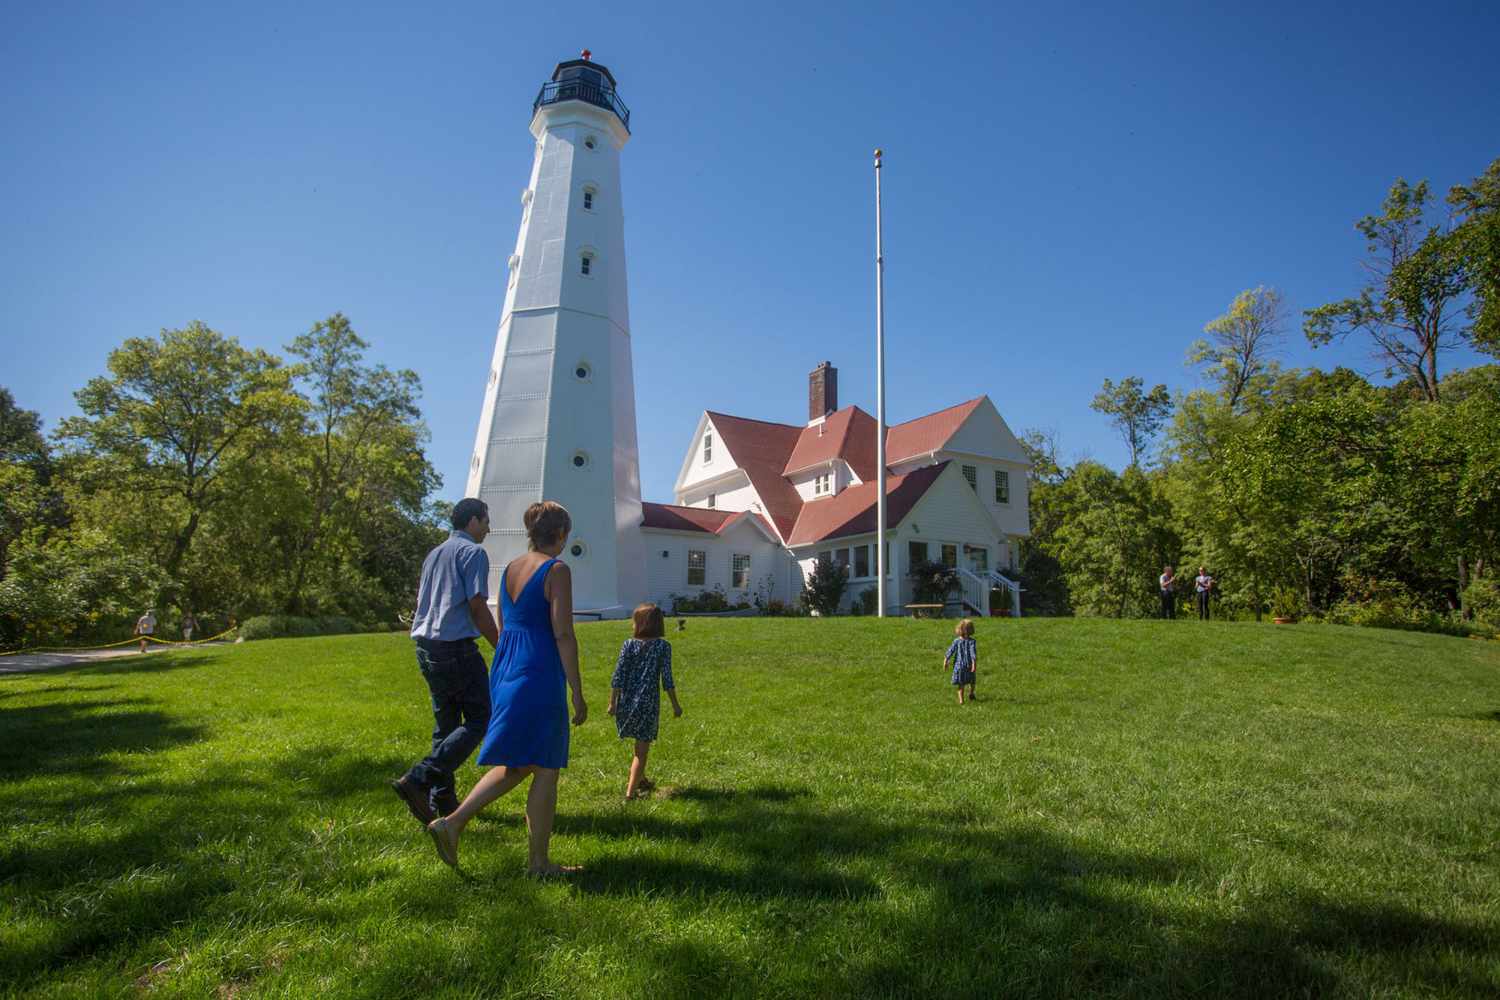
(758,502)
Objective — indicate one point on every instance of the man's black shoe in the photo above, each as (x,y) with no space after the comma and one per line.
(445,804)
(415,797)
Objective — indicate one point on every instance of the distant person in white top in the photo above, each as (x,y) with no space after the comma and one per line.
(1168,581)
(1204,584)
(188,624)
(145,625)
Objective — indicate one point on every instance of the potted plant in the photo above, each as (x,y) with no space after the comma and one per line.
(1285,606)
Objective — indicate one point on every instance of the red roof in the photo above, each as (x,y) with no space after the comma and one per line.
(848,434)
(761,449)
(852,511)
(709,521)
(926,434)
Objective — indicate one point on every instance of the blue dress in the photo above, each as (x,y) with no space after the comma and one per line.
(643,669)
(963,652)
(528,689)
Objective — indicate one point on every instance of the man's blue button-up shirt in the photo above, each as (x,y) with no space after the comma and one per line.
(453,574)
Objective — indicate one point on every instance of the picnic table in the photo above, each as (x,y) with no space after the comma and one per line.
(932,610)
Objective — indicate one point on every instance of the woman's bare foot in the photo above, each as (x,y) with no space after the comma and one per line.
(645,784)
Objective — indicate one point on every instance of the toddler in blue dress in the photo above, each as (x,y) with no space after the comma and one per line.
(964,652)
(643,669)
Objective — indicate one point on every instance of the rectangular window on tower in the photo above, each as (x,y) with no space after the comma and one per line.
(741,568)
(697,567)
(588,201)
(1002,486)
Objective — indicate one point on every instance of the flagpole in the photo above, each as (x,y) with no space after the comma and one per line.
(880,543)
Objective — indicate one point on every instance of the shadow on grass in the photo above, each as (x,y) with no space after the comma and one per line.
(961,909)
(67,737)
(155,663)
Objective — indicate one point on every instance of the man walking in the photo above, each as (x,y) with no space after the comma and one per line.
(451,612)
(145,627)
(1205,585)
(1168,582)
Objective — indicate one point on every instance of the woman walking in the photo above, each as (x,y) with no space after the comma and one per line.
(536,658)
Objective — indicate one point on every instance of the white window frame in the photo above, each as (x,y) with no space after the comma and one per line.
(736,571)
(869,570)
(1002,484)
(708,447)
(971,476)
(702,567)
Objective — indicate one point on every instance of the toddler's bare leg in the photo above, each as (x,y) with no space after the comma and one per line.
(637,768)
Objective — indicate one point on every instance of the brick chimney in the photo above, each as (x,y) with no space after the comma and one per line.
(822,392)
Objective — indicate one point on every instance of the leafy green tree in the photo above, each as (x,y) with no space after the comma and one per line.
(1236,355)
(26,498)
(178,417)
(1410,311)
(1114,534)
(824,588)
(1476,242)
(1136,414)
(360,454)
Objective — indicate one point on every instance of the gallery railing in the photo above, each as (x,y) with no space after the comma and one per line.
(599,95)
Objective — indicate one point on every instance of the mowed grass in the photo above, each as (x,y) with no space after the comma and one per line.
(1130,809)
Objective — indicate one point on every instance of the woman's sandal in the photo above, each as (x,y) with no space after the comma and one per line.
(444,840)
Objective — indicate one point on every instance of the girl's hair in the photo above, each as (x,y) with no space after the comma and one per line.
(964,629)
(547,522)
(649,622)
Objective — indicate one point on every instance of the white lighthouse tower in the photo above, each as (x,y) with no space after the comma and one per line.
(559,410)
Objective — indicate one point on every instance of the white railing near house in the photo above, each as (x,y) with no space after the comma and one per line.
(999,579)
(975,590)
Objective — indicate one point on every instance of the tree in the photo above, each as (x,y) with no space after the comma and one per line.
(1476,242)
(1409,310)
(362,444)
(26,495)
(1137,415)
(825,585)
(178,417)
(1236,355)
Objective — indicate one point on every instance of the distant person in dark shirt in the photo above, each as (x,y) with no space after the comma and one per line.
(451,613)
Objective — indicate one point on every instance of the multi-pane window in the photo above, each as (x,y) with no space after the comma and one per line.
(950,556)
(861,560)
(741,569)
(586,264)
(588,200)
(841,557)
(1002,486)
(697,567)
(823,484)
(708,448)
(916,553)
(972,475)
(713,500)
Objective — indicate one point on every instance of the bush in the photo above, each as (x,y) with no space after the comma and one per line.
(294,626)
(705,603)
(1482,597)
(865,602)
(781,609)
(825,587)
(932,582)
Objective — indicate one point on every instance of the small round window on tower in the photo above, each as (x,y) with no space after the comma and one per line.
(590,142)
(577,550)
(583,372)
(580,459)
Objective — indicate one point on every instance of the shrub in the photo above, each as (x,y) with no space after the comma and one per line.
(705,603)
(294,626)
(1285,603)
(781,609)
(825,587)
(1482,597)
(865,602)
(932,582)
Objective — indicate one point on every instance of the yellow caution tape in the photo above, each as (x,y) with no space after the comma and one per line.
(112,645)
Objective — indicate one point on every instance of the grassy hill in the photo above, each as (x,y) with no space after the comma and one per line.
(1131,808)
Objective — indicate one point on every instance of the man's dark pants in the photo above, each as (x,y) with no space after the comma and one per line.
(1168,606)
(1203,605)
(460,687)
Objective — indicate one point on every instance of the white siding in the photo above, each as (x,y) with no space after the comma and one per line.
(667,574)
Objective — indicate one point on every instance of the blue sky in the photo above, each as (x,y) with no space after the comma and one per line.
(1070,195)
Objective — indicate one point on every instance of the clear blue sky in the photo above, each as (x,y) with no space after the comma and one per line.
(1069,196)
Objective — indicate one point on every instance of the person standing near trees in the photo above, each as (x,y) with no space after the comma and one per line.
(1204,584)
(451,613)
(1168,583)
(145,625)
(189,623)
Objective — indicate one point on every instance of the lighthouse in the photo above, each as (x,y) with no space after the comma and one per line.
(558,420)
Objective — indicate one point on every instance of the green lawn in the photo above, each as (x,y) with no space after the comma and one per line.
(1131,808)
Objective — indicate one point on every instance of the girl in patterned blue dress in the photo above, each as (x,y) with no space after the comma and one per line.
(643,669)
(964,652)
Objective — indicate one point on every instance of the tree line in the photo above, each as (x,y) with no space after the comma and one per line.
(1307,493)
(202,476)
